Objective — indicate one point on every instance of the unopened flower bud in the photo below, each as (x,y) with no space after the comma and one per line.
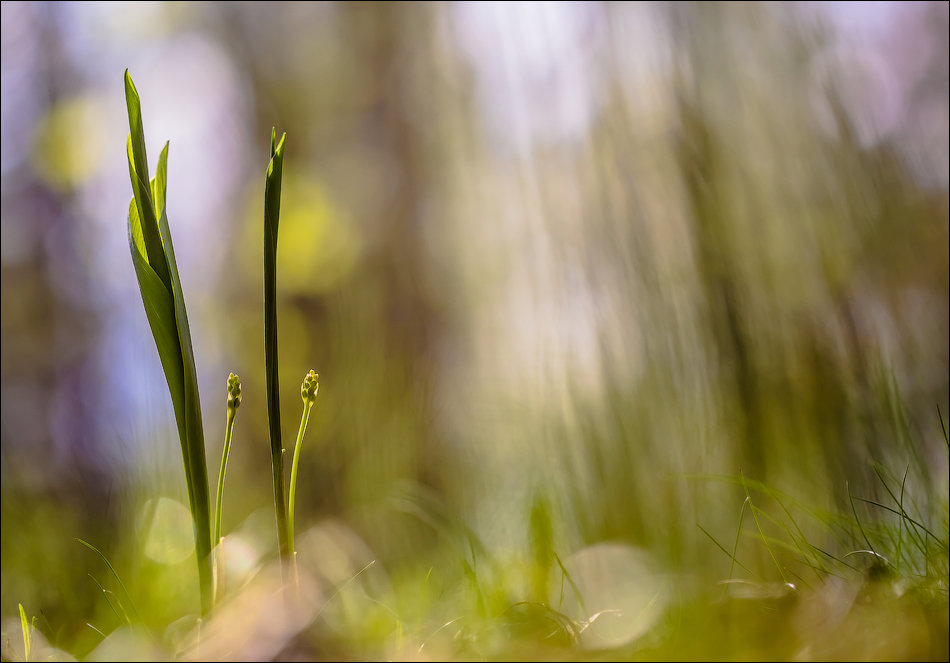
(234,392)
(311,383)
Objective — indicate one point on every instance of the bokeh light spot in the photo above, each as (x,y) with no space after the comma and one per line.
(319,245)
(166,527)
(68,146)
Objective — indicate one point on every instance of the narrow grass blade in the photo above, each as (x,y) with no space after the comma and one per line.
(943,427)
(124,617)
(114,575)
(272,185)
(921,541)
(856,519)
(909,519)
(758,526)
(795,544)
(27,633)
(722,548)
(565,575)
(735,546)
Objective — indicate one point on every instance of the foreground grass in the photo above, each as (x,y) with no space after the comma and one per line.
(790,582)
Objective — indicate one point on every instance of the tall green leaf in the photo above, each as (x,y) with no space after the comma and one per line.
(271,222)
(153,257)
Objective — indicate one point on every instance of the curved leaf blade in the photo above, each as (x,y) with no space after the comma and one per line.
(156,269)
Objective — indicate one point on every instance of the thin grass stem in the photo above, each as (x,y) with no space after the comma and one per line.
(308,393)
(116,576)
(234,402)
(758,526)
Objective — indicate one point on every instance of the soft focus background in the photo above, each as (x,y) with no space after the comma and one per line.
(565,270)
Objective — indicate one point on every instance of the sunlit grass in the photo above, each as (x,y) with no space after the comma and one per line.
(798,582)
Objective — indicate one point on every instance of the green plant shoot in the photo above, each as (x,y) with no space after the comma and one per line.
(308,393)
(271,222)
(27,633)
(234,402)
(153,258)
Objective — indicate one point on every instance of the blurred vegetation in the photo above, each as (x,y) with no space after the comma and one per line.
(628,317)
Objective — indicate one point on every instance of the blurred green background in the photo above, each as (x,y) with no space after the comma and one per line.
(561,267)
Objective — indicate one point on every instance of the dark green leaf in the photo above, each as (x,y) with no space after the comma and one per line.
(272,185)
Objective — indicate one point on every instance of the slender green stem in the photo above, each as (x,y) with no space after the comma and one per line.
(224,468)
(308,393)
(216,563)
(293,475)
(234,402)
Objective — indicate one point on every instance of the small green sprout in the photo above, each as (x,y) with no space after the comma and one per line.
(308,394)
(234,402)
(27,633)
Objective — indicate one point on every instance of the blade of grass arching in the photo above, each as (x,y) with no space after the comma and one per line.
(835,522)
(272,185)
(943,427)
(124,617)
(718,545)
(796,545)
(114,575)
(735,546)
(902,514)
(780,498)
(776,543)
(577,592)
(27,633)
(912,521)
(900,523)
(758,526)
(816,514)
(833,558)
(856,519)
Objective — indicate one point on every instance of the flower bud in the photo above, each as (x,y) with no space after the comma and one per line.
(311,383)
(234,392)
